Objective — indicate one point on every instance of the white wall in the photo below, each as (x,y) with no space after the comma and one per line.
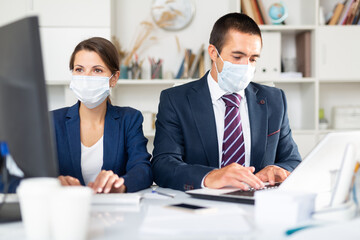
(129,16)
(63,24)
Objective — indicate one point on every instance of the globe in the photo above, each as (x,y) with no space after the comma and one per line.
(278,13)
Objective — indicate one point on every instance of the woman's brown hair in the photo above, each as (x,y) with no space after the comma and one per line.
(103,47)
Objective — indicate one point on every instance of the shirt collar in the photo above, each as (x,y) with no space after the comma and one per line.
(215,90)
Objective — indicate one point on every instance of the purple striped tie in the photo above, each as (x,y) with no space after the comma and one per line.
(233,144)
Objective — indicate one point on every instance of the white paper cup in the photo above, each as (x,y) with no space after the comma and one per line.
(35,196)
(71,213)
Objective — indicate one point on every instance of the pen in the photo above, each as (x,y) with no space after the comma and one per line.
(293,230)
(161,193)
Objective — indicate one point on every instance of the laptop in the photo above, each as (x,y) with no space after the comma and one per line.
(229,194)
(314,174)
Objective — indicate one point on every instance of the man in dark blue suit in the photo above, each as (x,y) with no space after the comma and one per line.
(224,130)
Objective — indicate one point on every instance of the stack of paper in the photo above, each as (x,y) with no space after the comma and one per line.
(226,221)
(116,198)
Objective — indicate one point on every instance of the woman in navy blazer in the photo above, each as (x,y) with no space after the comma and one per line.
(98,144)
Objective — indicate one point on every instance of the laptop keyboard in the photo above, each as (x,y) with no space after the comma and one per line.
(251,191)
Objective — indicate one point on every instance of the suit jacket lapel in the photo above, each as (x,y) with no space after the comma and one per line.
(73,136)
(257,107)
(202,110)
(111,138)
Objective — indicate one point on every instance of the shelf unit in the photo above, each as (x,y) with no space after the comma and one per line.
(335,71)
(304,95)
(335,79)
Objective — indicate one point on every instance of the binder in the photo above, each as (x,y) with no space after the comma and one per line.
(268,65)
(303,53)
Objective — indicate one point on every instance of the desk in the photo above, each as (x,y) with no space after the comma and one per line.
(113,222)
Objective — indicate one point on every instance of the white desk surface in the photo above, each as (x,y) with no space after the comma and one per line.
(150,220)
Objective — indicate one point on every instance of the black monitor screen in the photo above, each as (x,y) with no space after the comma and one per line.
(24,116)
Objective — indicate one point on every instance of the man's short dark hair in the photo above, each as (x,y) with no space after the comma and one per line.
(232,21)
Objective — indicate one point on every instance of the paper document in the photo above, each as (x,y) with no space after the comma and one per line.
(115,208)
(10,198)
(116,198)
(165,221)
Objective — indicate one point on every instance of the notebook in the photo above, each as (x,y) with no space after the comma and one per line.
(314,174)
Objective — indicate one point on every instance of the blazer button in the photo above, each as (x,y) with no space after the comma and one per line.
(262,101)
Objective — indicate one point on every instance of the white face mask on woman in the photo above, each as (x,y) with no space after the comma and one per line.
(90,90)
(234,77)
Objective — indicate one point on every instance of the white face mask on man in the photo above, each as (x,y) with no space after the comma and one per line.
(234,77)
(90,90)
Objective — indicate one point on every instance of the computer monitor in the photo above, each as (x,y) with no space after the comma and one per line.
(24,118)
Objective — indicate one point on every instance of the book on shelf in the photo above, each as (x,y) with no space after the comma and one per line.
(192,65)
(357,15)
(187,63)
(303,53)
(352,12)
(263,12)
(258,19)
(202,64)
(192,58)
(181,70)
(254,9)
(336,15)
(247,8)
(344,14)
(195,63)
(200,70)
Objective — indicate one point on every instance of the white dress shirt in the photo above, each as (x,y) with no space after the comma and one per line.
(219,110)
(92,160)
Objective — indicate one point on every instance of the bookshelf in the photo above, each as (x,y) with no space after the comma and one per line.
(335,72)
(341,87)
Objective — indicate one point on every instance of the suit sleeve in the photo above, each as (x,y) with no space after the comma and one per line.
(168,164)
(287,154)
(138,170)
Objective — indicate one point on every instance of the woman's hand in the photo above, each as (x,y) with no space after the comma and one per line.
(69,181)
(108,182)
